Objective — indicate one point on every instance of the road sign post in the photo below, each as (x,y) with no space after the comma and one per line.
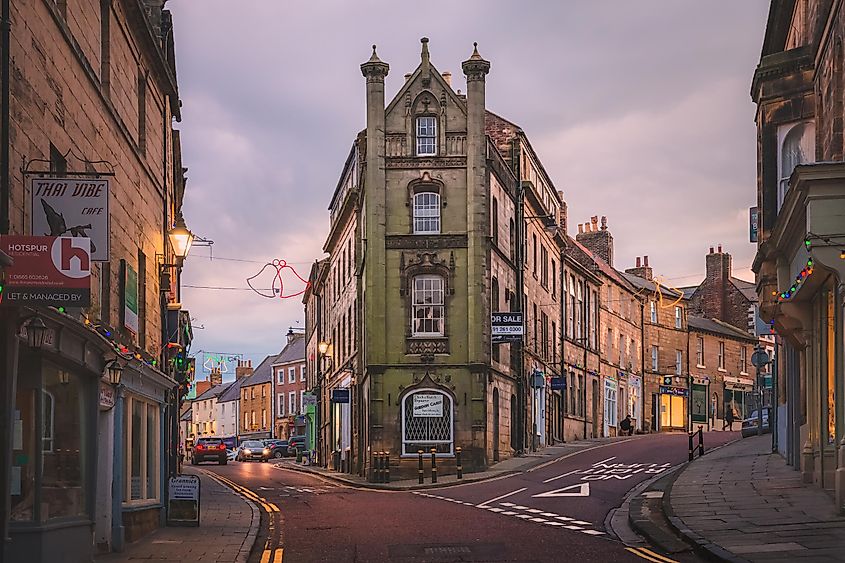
(759,359)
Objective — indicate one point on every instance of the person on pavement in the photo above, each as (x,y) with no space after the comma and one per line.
(729,419)
(627,426)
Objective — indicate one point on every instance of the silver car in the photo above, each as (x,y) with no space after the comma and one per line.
(749,425)
(251,450)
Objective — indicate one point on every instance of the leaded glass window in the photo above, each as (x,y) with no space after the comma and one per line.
(427,422)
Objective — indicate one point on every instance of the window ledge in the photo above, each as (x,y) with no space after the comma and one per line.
(134,505)
(722,370)
(700,366)
(745,373)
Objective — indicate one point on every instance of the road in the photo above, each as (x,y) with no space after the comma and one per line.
(551,513)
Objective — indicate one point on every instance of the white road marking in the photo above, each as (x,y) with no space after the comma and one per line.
(560,476)
(549,514)
(573,528)
(508,504)
(550,523)
(509,513)
(495,509)
(582,523)
(592,532)
(541,520)
(583,491)
(501,497)
(534,510)
(565,518)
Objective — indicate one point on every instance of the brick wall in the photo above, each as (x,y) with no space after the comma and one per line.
(717,297)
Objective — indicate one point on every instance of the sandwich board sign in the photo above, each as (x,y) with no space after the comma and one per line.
(183,501)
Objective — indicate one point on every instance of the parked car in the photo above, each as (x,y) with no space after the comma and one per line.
(231,454)
(749,425)
(278,448)
(294,443)
(253,449)
(209,449)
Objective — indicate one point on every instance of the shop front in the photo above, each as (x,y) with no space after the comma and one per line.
(700,407)
(635,401)
(738,397)
(673,408)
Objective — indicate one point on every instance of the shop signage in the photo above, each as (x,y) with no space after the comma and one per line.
(558,383)
(506,327)
(73,207)
(48,271)
(677,391)
(183,501)
(340,395)
(308,399)
(538,379)
(753,217)
(130,297)
(428,405)
(107,396)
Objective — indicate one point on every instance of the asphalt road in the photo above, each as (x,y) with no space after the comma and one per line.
(554,512)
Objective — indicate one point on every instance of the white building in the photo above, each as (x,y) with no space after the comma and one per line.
(228,410)
(204,412)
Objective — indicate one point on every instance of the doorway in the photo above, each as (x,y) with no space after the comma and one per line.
(672,412)
(595,409)
(495,425)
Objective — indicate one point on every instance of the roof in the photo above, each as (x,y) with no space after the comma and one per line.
(262,374)
(187,416)
(747,288)
(232,393)
(214,391)
(718,327)
(689,291)
(651,285)
(294,351)
(585,256)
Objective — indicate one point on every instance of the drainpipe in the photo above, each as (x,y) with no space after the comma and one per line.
(564,392)
(520,292)
(5,191)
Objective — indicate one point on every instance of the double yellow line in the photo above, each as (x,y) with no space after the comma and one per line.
(650,555)
(265,504)
(272,555)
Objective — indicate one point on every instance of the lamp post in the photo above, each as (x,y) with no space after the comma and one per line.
(322,349)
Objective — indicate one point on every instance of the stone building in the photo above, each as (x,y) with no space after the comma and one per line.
(720,370)
(798,87)
(614,310)
(92,97)
(289,387)
(205,412)
(426,220)
(255,411)
(665,350)
(722,296)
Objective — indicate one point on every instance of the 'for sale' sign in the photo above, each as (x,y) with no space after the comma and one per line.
(47,271)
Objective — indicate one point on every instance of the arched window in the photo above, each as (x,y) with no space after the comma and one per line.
(426,213)
(797,148)
(426,135)
(427,318)
(427,422)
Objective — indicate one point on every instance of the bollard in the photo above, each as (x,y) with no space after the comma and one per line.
(420,470)
(375,467)
(459,466)
(433,465)
(380,465)
(690,446)
(386,465)
(700,442)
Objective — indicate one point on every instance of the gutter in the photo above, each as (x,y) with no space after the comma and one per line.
(5,191)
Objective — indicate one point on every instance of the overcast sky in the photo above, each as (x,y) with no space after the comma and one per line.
(639,110)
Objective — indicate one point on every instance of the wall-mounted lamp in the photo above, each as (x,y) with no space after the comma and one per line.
(64,377)
(180,238)
(114,371)
(36,330)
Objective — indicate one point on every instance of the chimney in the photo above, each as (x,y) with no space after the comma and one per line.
(562,214)
(447,76)
(216,377)
(580,229)
(599,242)
(407,76)
(244,369)
(642,269)
(202,387)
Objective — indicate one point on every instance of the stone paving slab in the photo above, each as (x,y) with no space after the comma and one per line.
(745,504)
(228,526)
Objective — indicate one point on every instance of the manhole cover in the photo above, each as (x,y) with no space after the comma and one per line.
(448,552)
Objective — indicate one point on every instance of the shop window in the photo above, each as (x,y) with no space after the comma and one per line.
(427,422)
(141,436)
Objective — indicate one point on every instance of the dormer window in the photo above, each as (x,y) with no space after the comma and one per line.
(426,136)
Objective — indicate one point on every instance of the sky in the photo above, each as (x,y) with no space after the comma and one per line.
(639,110)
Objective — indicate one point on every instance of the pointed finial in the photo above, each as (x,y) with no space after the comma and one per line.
(475,67)
(475,54)
(374,69)
(374,58)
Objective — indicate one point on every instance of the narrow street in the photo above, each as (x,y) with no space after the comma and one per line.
(559,507)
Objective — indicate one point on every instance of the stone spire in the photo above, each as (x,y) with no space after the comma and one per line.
(375,69)
(475,68)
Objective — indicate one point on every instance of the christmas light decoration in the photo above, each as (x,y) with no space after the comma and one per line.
(277,288)
(799,281)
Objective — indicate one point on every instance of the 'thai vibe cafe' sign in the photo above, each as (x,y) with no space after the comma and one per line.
(47,271)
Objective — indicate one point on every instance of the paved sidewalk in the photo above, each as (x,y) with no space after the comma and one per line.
(743,503)
(228,526)
(506,467)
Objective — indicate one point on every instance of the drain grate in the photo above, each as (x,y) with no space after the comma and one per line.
(447,552)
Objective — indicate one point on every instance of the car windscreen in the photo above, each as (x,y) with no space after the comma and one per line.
(253,445)
(209,442)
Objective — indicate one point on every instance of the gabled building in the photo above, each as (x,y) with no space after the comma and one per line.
(255,411)
(205,412)
(289,387)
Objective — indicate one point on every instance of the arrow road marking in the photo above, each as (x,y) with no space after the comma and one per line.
(583,491)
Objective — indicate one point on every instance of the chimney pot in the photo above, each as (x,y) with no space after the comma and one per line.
(711,250)
(645,261)
(407,76)
(603,223)
(580,228)
(720,249)
(594,220)
(638,262)
(447,76)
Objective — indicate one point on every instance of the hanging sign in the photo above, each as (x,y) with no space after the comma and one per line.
(428,405)
(506,327)
(753,217)
(47,271)
(183,501)
(558,383)
(340,395)
(73,207)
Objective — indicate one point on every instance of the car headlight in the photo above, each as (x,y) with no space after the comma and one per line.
(247,452)
(266,450)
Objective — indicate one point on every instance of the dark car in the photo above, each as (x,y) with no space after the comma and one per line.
(278,448)
(209,449)
(253,449)
(294,443)
(749,425)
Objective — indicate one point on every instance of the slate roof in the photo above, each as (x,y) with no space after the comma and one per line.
(689,291)
(187,416)
(747,288)
(586,258)
(718,327)
(293,352)
(214,391)
(262,374)
(232,393)
(650,285)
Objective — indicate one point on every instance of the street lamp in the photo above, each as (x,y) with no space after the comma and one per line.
(35,332)
(114,370)
(322,350)
(180,238)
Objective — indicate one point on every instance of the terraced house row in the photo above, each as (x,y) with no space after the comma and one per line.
(445,214)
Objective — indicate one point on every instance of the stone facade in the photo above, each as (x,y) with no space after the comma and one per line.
(93,94)
(289,374)
(798,89)
(722,296)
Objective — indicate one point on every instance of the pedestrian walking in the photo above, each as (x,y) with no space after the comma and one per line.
(729,418)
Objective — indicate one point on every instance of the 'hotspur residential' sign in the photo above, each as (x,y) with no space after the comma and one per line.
(506,327)
(72,207)
(47,271)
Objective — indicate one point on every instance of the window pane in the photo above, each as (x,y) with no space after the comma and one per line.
(427,212)
(136,425)
(23,446)
(151,453)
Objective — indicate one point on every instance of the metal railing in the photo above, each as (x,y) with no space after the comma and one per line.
(700,447)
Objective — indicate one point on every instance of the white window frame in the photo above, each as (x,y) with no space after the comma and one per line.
(292,402)
(450,441)
(699,351)
(425,128)
(426,206)
(280,400)
(301,401)
(807,155)
(721,355)
(302,372)
(655,357)
(611,391)
(291,375)
(127,469)
(280,376)
(679,317)
(652,311)
(679,362)
(743,360)
(419,294)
